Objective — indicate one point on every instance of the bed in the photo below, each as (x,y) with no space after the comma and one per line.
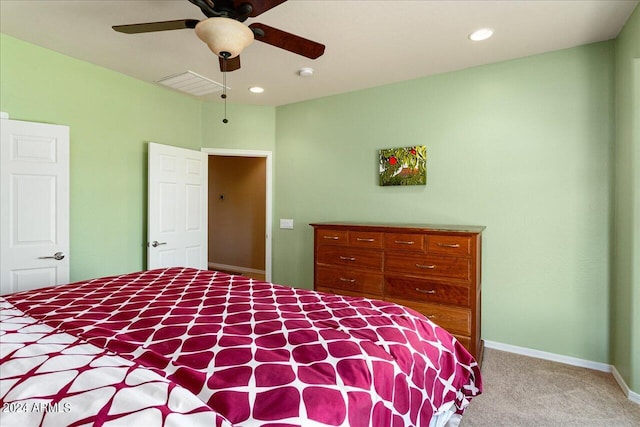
(187,347)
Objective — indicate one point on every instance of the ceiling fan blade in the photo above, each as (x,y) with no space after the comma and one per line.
(232,64)
(258,6)
(150,27)
(287,41)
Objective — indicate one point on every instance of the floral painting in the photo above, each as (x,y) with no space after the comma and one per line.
(403,166)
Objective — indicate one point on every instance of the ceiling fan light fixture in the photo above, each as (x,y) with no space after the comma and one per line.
(225,37)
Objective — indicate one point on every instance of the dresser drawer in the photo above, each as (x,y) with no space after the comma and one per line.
(366,239)
(453,319)
(332,237)
(430,266)
(338,291)
(369,259)
(424,291)
(404,242)
(452,245)
(350,280)
(465,341)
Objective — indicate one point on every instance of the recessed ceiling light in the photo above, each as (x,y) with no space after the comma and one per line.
(256,89)
(481,34)
(305,72)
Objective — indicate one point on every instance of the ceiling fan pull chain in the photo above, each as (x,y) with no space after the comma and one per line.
(225,57)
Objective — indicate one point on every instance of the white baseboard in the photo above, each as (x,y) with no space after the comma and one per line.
(631,395)
(227,267)
(574,361)
(603,367)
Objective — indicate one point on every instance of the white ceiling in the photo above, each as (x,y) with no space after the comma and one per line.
(368,43)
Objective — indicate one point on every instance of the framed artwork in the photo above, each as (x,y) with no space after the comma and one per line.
(403,166)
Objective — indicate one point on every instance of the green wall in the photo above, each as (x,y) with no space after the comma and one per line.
(112,118)
(625,284)
(249,127)
(522,147)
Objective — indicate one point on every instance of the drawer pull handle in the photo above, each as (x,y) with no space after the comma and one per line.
(405,242)
(347,258)
(331,237)
(430,266)
(343,279)
(426,291)
(360,239)
(431,316)
(449,245)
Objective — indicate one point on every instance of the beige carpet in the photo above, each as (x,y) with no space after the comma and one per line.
(523,391)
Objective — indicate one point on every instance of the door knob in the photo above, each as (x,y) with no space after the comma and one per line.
(57,256)
(155,243)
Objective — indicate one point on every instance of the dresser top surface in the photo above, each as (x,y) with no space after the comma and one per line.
(397,227)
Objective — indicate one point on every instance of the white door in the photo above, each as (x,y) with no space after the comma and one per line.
(177,217)
(34,214)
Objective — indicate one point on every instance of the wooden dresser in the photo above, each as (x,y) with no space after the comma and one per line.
(430,268)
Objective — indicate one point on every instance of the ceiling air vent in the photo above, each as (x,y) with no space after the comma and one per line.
(191,83)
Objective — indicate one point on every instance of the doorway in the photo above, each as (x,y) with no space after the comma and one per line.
(239,202)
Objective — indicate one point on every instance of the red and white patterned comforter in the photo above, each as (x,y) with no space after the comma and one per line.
(182,346)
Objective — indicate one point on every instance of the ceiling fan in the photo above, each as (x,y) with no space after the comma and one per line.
(226,35)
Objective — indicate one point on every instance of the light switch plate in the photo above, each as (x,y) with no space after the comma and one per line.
(286,223)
